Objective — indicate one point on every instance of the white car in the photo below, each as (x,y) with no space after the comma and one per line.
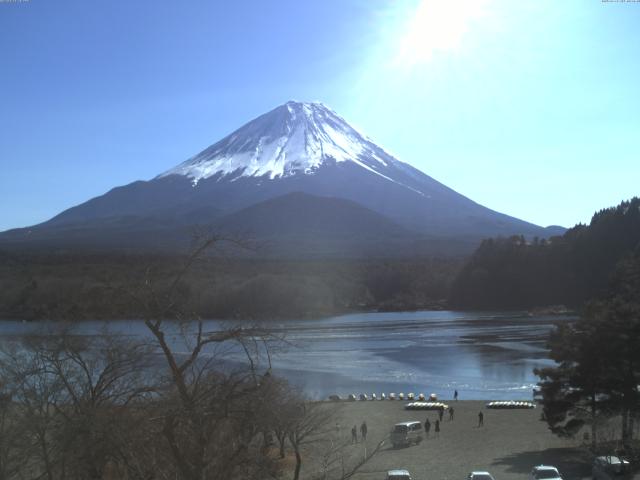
(480,476)
(398,475)
(545,472)
(609,467)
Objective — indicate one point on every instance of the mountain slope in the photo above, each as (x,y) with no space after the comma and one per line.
(303,214)
(302,225)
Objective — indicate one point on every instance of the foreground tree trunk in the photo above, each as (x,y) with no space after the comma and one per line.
(594,419)
(625,426)
(281,440)
(296,473)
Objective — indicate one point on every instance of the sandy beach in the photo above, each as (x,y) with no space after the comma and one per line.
(509,444)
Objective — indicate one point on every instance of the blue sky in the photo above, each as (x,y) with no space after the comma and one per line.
(531,108)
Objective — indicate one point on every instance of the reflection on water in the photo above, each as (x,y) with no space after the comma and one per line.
(482,355)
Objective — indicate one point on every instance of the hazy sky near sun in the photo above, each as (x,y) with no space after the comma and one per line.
(531,108)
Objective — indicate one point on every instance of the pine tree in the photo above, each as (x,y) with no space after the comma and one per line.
(598,358)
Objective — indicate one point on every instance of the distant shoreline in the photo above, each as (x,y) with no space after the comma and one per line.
(551,310)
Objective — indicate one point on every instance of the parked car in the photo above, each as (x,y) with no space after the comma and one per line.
(480,476)
(545,472)
(398,475)
(406,433)
(609,467)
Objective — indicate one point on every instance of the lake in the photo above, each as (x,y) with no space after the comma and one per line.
(488,355)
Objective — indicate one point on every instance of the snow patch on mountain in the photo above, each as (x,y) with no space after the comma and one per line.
(295,138)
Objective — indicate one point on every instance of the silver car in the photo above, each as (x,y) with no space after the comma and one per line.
(545,472)
(478,475)
(398,475)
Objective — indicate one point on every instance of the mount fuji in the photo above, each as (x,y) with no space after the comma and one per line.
(299,177)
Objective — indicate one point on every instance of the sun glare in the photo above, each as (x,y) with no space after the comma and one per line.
(436,25)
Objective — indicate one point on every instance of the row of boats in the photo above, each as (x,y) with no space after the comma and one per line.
(383,396)
(511,404)
(426,406)
(421,402)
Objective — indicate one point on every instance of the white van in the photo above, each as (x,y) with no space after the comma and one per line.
(406,433)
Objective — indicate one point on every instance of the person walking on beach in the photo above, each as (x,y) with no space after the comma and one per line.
(440,413)
(455,395)
(363,431)
(354,434)
(437,429)
(480,419)
(451,414)
(427,427)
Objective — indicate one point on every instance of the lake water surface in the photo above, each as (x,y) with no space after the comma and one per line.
(482,355)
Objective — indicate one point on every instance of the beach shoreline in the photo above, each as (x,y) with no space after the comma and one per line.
(508,445)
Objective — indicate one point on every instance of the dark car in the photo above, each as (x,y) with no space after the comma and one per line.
(610,467)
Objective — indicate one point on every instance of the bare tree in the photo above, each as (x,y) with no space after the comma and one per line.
(34,394)
(12,456)
(214,417)
(337,463)
(348,472)
(195,401)
(72,399)
(309,423)
(208,414)
(278,400)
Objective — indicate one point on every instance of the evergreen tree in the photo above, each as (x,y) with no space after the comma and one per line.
(598,358)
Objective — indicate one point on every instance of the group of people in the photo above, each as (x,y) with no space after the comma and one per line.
(436,427)
(427,423)
(427,428)
(363,433)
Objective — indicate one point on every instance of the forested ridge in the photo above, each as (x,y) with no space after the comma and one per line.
(93,286)
(514,273)
(503,273)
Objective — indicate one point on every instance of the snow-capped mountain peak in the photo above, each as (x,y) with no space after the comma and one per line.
(298,175)
(294,138)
